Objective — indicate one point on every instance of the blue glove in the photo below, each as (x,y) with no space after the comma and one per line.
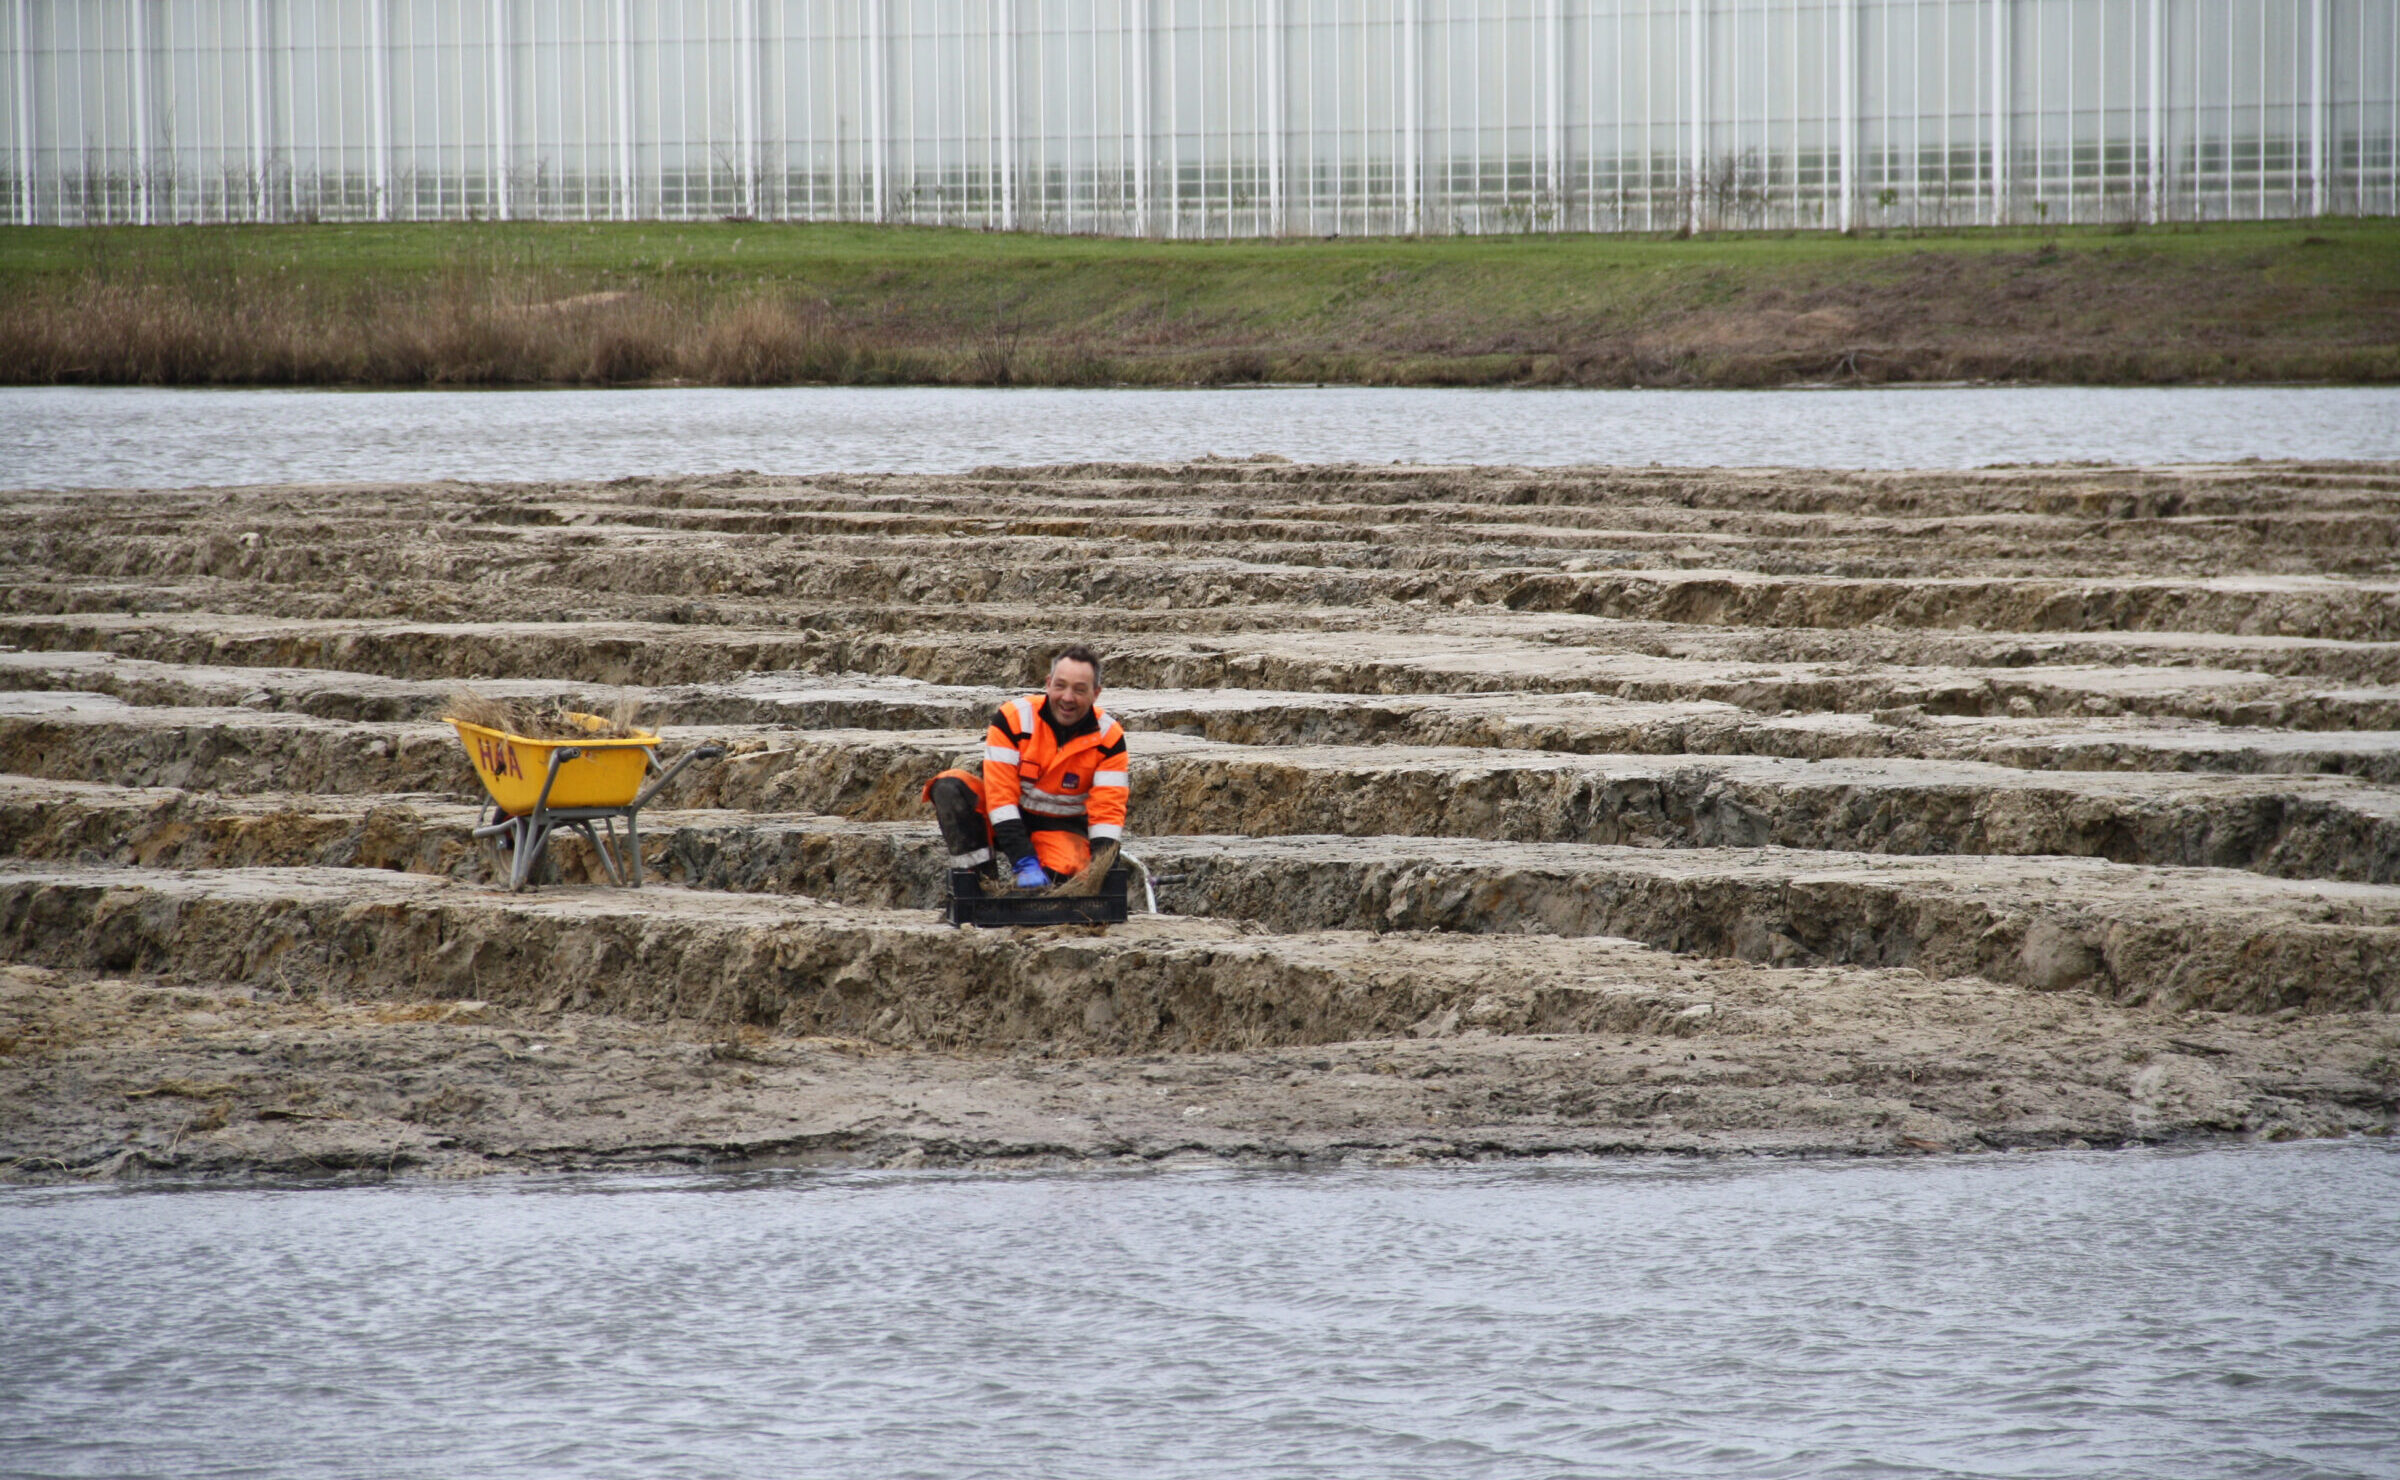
(1031,874)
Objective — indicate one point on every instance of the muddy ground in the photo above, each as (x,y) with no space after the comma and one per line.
(1493,813)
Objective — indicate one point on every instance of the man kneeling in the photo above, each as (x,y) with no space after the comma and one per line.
(1050,793)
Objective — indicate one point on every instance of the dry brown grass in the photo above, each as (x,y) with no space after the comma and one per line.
(161,334)
(153,334)
(717,305)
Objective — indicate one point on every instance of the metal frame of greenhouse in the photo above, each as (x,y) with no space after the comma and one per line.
(1202,118)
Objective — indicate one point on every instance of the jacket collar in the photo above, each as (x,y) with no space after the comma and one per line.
(1088,725)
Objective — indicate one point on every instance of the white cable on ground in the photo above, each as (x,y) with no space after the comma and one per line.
(1149,893)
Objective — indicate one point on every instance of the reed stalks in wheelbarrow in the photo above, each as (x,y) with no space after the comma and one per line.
(542,722)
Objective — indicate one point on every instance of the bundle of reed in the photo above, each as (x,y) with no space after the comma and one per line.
(1086,882)
(552,721)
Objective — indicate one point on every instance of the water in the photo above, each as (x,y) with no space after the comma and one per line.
(116,438)
(2232,1312)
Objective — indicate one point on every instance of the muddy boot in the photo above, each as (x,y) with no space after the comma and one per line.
(965,834)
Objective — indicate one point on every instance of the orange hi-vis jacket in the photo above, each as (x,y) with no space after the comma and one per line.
(1067,793)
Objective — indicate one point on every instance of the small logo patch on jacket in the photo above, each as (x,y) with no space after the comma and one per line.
(1073,781)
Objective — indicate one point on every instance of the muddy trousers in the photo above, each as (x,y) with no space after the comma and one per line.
(957,798)
(959,813)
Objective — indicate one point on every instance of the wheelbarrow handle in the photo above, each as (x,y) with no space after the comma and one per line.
(701,753)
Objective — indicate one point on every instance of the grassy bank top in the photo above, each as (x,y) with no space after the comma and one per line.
(750,302)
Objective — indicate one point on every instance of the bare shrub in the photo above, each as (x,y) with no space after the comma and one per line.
(618,347)
(761,342)
(1238,367)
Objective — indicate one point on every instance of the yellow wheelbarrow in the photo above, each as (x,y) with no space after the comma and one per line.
(585,786)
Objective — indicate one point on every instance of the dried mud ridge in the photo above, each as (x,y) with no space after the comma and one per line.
(1496,813)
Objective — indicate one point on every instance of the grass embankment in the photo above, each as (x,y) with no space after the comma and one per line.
(744,303)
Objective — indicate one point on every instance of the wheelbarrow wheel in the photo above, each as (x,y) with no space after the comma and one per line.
(500,853)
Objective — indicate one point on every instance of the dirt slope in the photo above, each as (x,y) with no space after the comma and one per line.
(1494,812)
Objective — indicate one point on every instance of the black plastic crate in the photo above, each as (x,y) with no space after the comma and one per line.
(968,905)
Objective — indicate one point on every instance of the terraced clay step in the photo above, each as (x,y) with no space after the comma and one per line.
(2180,937)
(2191,681)
(1900,524)
(1580,724)
(2168,937)
(41,682)
(110,1075)
(931,567)
(904,979)
(1552,516)
(229,750)
(2293,827)
(1538,649)
(1591,724)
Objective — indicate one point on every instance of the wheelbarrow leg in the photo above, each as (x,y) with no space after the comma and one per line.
(527,842)
(537,823)
(603,840)
(633,814)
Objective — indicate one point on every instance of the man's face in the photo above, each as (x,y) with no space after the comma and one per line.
(1072,690)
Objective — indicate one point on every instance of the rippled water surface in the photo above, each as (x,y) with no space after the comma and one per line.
(2217,1313)
(113,438)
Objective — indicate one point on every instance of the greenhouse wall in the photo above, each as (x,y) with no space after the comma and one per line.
(1202,118)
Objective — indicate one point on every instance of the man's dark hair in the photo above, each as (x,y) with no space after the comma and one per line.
(1076,652)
